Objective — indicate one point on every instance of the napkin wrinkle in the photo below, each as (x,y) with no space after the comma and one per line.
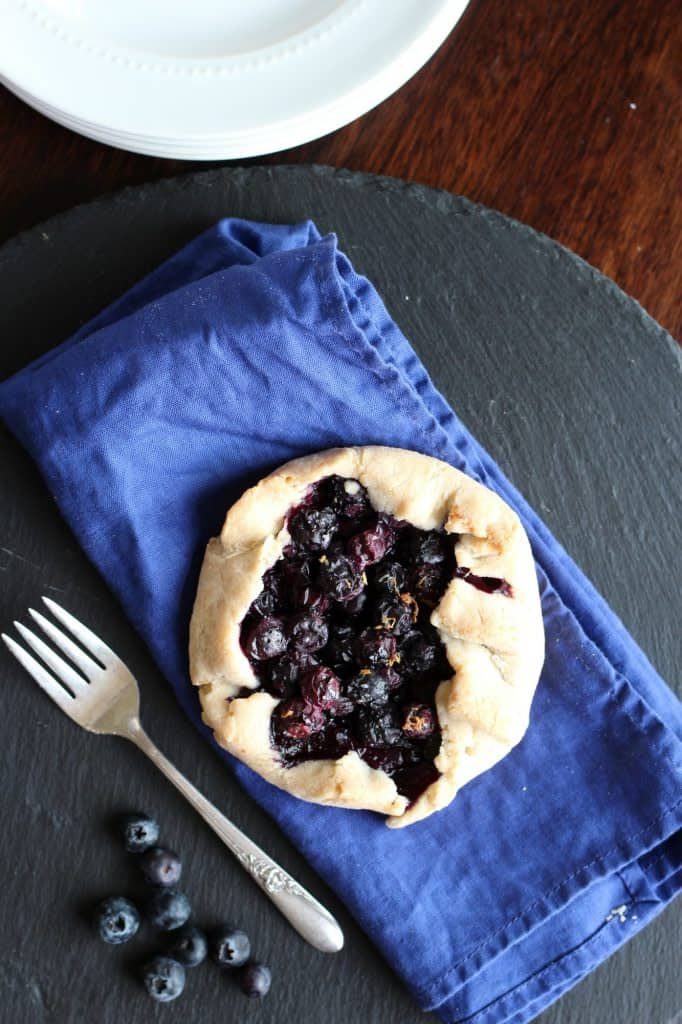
(347,308)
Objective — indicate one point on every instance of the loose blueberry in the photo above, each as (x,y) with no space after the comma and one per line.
(267,639)
(117,920)
(168,909)
(189,946)
(255,980)
(161,866)
(164,978)
(139,832)
(230,947)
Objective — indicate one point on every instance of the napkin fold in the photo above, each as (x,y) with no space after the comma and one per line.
(258,343)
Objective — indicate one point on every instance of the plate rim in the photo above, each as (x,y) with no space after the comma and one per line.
(271,131)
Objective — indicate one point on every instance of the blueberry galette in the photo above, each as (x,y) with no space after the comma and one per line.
(367,630)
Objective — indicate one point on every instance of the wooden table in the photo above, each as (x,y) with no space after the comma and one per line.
(563,115)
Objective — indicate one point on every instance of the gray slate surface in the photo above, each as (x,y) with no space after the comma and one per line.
(569,384)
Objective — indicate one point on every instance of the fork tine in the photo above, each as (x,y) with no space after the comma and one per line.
(88,667)
(90,640)
(63,671)
(59,695)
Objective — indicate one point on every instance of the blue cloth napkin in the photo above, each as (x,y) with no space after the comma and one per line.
(257,343)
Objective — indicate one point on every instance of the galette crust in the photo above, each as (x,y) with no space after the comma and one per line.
(494,643)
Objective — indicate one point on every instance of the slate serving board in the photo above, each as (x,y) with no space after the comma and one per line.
(570,386)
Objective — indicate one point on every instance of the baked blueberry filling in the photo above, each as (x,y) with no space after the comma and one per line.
(341,634)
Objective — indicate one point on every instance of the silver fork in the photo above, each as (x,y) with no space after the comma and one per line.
(105,699)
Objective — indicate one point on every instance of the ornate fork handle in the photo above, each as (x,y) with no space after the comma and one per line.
(304,913)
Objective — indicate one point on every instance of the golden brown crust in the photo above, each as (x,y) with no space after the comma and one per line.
(494,643)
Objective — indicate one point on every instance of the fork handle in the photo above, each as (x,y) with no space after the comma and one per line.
(302,911)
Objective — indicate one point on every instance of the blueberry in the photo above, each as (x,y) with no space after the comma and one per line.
(139,832)
(312,528)
(168,909)
(342,707)
(396,614)
(164,978)
(283,677)
(429,582)
(412,780)
(340,653)
(230,947)
(340,578)
(369,688)
(420,656)
(377,727)
(297,719)
(305,595)
(332,744)
(385,759)
(297,572)
(430,547)
(374,647)
(309,632)
(356,605)
(321,687)
(161,866)
(265,604)
(267,639)
(347,497)
(255,980)
(117,920)
(390,576)
(369,546)
(189,946)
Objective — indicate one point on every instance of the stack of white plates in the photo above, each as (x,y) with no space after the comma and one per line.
(214,79)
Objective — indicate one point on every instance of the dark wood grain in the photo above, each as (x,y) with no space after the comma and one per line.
(565,115)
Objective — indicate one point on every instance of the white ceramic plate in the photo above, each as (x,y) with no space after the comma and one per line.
(214,79)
